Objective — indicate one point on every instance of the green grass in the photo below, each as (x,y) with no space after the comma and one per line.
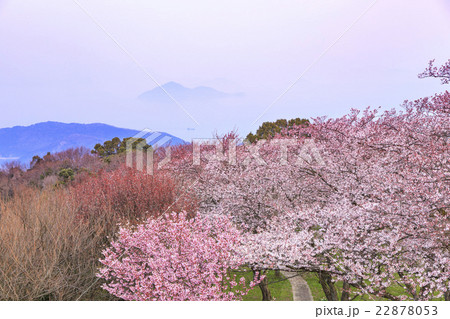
(314,286)
(281,290)
(318,294)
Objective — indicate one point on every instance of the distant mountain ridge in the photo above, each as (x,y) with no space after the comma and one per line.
(178,91)
(23,142)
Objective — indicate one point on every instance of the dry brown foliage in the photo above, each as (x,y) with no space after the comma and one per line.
(46,253)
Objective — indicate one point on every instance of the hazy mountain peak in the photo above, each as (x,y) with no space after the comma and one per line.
(173,85)
(178,91)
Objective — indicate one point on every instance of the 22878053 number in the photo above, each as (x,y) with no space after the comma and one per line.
(406,310)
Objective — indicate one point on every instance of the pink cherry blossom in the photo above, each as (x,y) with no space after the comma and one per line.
(175,258)
(442,72)
(374,214)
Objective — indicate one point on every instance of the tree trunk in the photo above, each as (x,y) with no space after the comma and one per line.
(447,295)
(263,285)
(266,296)
(328,287)
(345,291)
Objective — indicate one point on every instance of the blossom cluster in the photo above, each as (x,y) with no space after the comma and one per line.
(175,258)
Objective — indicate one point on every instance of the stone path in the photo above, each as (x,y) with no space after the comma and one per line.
(300,289)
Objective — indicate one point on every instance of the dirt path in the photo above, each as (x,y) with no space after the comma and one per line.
(300,289)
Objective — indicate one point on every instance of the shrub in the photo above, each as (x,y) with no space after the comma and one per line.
(66,175)
(45,252)
(128,194)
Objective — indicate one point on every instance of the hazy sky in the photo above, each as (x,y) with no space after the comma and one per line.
(57,64)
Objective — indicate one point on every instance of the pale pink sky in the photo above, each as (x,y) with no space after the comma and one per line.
(56,64)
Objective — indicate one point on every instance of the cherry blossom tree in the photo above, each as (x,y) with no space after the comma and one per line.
(384,221)
(373,214)
(391,172)
(175,258)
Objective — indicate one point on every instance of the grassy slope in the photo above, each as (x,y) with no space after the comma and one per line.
(318,295)
(280,290)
